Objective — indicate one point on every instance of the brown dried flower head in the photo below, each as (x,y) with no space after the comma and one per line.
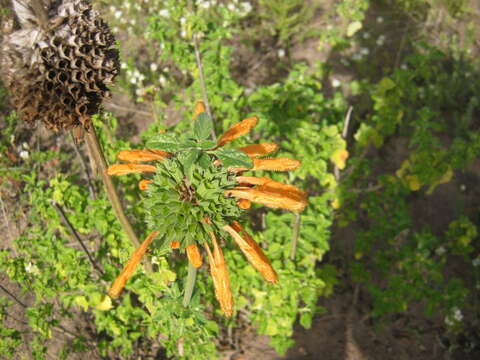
(58,65)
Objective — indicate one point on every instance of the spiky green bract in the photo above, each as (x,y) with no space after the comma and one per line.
(185,201)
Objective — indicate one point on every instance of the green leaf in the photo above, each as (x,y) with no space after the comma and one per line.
(165,141)
(203,127)
(204,161)
(233,158)
(188,159)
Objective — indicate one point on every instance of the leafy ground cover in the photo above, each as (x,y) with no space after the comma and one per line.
(379,102)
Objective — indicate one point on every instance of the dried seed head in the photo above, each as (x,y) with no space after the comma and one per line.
(130,266)
(237,130)
(194,256)
(199,108)
(252,251)
(123,169)
(142,155)
(256,150)
(58,72)
(219,272)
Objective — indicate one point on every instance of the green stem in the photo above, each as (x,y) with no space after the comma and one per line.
(189,284)
(296,234)
(99,158)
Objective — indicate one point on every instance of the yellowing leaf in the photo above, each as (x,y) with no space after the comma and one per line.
(353,28)
(358,255)
(413,183)
(81,301)
(105,305)
(336,203)
(339,158)
(446,177)
(401,172)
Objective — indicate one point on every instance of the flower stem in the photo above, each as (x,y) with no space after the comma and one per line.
(296,234)
(189,284)
(99,158)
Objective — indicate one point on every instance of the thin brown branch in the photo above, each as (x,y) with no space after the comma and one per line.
(75,234)
(91,190)
(17,300)
(99,158)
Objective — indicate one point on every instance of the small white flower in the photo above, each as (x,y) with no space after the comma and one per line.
(183,20)
(380,19)
(281,53)
(231,7)
(141,77)
(366,35)
(123,65)
(476,262)
(162,80)
(24,154)
(25,145)
(164,12)
(457,314)
(247,7)
(381,40)
(31,268)
(183,34)
(440,251)
(403,66)
(336,83)
(118,14)
(153,67)
(364,51)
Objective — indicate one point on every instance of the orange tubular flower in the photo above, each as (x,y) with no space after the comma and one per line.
(277,164)
(130,267)
(142,155)
(175,244)
(219,272)
(256,150)
(199,108)
(270,197)
(194,256)
(244,204)
(272,184)
(237,130)
(143,184)
(122,169)
(252,251)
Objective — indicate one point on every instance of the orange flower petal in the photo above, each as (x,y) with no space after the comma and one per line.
(269,183)
(143,184)
(194,256)
(252,251)
(219,272)
(262,149)
(270,197)
(130,267)
(175,244)
(277,164)
(237,130)
(142,155)
(122,169)
(199,108)
(244,204)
